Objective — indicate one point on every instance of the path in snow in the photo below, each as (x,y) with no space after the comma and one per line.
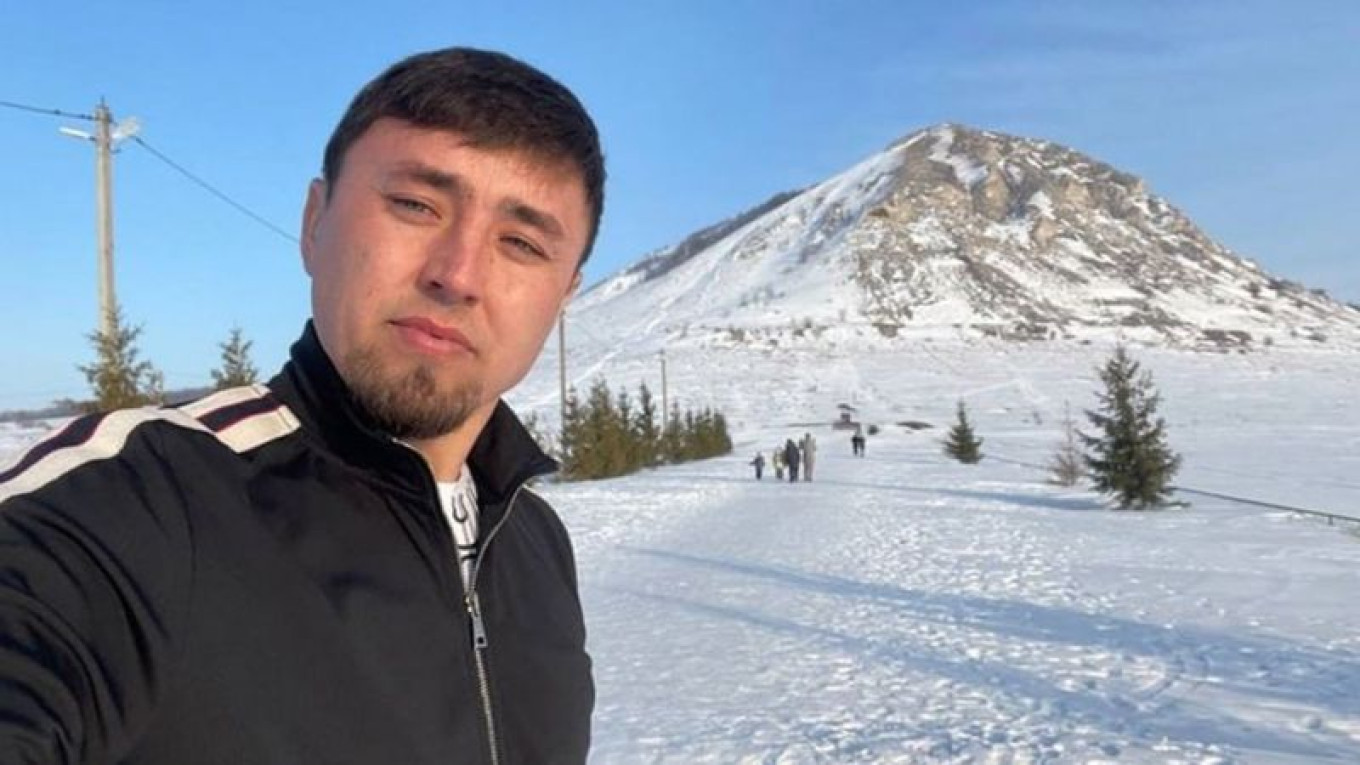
(903,609)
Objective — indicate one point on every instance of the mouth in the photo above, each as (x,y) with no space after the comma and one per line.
(431,337)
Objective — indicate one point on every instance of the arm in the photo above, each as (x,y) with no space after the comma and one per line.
(92,584)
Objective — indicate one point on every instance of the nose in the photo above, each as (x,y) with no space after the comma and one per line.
(455,265)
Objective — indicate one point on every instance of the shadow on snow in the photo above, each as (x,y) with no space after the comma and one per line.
(1297,674)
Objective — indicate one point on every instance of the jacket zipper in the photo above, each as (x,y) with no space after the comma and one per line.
(474,608)
(479,638)
(483,683)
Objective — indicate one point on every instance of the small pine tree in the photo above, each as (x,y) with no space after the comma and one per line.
(571,434)
(598,448)
(645,429)
(1128,457)
(689,437)
(673,437)
(625,458)
(1068,464)
(236,369)
(722,439)
(117,378)
(962,444)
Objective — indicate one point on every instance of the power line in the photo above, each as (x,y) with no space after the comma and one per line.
(159,155)
(242,208)
(1273,505)
(50,112)
(1187,490)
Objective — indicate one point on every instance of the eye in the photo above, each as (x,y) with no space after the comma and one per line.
(525,246)
(411,206)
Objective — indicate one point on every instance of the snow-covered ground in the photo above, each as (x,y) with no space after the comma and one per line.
(905,609)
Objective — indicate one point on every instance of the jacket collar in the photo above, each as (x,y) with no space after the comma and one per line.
(503,457)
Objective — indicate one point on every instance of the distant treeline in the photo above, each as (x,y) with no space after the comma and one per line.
(609,434)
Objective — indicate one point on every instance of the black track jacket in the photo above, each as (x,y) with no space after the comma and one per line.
(260,577)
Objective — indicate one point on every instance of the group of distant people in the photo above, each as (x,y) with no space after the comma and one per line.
(795,457)
(800,457)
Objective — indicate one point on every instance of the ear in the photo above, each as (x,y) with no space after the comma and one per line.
(311,221)
(571,291)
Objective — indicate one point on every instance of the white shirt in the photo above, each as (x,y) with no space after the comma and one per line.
(459,501)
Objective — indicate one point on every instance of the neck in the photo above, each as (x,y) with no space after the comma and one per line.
(446,454)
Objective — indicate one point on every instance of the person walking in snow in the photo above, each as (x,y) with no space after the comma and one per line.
(777,457)
(857,442)
(759,464)
(792,458)
(809,448)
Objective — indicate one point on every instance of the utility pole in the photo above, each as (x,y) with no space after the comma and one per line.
(106,136)
(103,171)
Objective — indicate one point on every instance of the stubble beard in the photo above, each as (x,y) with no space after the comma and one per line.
(409,404)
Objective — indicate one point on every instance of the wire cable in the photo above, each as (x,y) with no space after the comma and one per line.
(207,186)
(50,112)
(1188,490)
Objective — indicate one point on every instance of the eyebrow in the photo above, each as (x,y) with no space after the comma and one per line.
(532,217)
(451,183)
(429,176)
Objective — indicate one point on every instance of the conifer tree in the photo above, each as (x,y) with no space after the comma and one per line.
(673,438)
(645,428)
(237,368)
(593,452)
(624,455)
(1068,464)
(571,434)
(722,439)
(117,378)
(1129,458)
(961,443)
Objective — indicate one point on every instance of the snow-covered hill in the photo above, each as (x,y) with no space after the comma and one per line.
(955,232)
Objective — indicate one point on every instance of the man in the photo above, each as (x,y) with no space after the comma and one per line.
(343,566)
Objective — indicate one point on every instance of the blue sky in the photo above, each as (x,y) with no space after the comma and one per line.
(1244,114)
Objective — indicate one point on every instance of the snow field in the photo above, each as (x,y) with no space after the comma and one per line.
(903,609)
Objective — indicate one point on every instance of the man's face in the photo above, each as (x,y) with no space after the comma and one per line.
(438,270)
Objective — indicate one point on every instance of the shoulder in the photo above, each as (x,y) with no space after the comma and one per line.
(536,511)
(539,513)
(540,508)
(238,419)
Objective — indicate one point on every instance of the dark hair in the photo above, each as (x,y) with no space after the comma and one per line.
(494,100)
